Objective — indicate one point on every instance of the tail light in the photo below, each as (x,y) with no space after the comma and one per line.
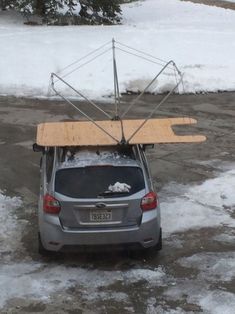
(51,205)
(149,201)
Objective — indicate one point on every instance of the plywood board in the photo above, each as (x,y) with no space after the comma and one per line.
(85,133)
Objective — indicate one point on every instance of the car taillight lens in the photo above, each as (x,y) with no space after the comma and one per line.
(149,201)
(51,205)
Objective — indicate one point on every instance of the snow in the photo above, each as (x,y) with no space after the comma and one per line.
(37,280)
(212,268)
(10,229)
(198,292)
(119,187)
(216,266)
(99,156)
(41,281)
(218,302)
(67,10)
(200,39)
(210,204)
(225,238)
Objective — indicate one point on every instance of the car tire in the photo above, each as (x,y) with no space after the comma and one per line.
(150,251)
(41,250)
(158,246)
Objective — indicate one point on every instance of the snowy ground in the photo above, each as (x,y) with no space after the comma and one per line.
(206,205)
(194,273)
(37,280)
(199,38)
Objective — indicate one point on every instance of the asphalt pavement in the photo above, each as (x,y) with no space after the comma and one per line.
(183,164)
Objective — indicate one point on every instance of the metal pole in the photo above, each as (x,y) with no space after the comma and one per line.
(116,92)
(151,113)
(76,91)
(142,93)
(114,78)
(83,113)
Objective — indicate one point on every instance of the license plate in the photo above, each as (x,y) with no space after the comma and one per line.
(100,216)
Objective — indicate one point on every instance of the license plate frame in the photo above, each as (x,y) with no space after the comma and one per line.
(100,216)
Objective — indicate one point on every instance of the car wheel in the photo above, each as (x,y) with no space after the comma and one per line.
(158,246)
(41,250)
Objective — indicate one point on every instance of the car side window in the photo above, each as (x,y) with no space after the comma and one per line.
(49,163)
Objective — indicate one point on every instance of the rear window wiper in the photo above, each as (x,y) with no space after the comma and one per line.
(111,193)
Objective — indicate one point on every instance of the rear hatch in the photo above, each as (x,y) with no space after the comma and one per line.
(100,196)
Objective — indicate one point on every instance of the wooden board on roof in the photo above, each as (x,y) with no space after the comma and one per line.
(86,133)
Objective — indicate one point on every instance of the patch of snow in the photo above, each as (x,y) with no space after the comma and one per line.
(217,193)
(200,39)
(85,158)
(28,8)
(193,207)
(67,10)
(119,187)
(41,281)
(16,281)
(198,292)
(213,266)
(225,238)
(152,277)
(10,230)
(152,309)
(92,154)
(218,302)
(107,295)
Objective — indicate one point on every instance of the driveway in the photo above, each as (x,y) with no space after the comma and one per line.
(217,3)
(194,273)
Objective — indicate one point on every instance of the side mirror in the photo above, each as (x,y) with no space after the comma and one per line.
(38,149)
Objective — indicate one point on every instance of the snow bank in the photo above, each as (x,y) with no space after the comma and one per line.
(193,207)
(200,39)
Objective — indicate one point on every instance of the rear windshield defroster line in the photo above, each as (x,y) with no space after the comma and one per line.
(92,181)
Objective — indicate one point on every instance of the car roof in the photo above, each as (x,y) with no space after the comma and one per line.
(103,156)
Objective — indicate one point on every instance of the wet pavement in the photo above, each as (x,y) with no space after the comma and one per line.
(218,3)
(194,273)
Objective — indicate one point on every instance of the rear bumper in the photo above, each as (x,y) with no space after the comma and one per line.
(55,238)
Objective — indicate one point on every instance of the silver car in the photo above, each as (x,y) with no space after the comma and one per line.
(97,197)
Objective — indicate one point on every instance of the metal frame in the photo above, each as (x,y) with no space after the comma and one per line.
(165,65)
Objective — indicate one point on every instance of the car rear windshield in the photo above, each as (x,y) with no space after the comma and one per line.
(95,181)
